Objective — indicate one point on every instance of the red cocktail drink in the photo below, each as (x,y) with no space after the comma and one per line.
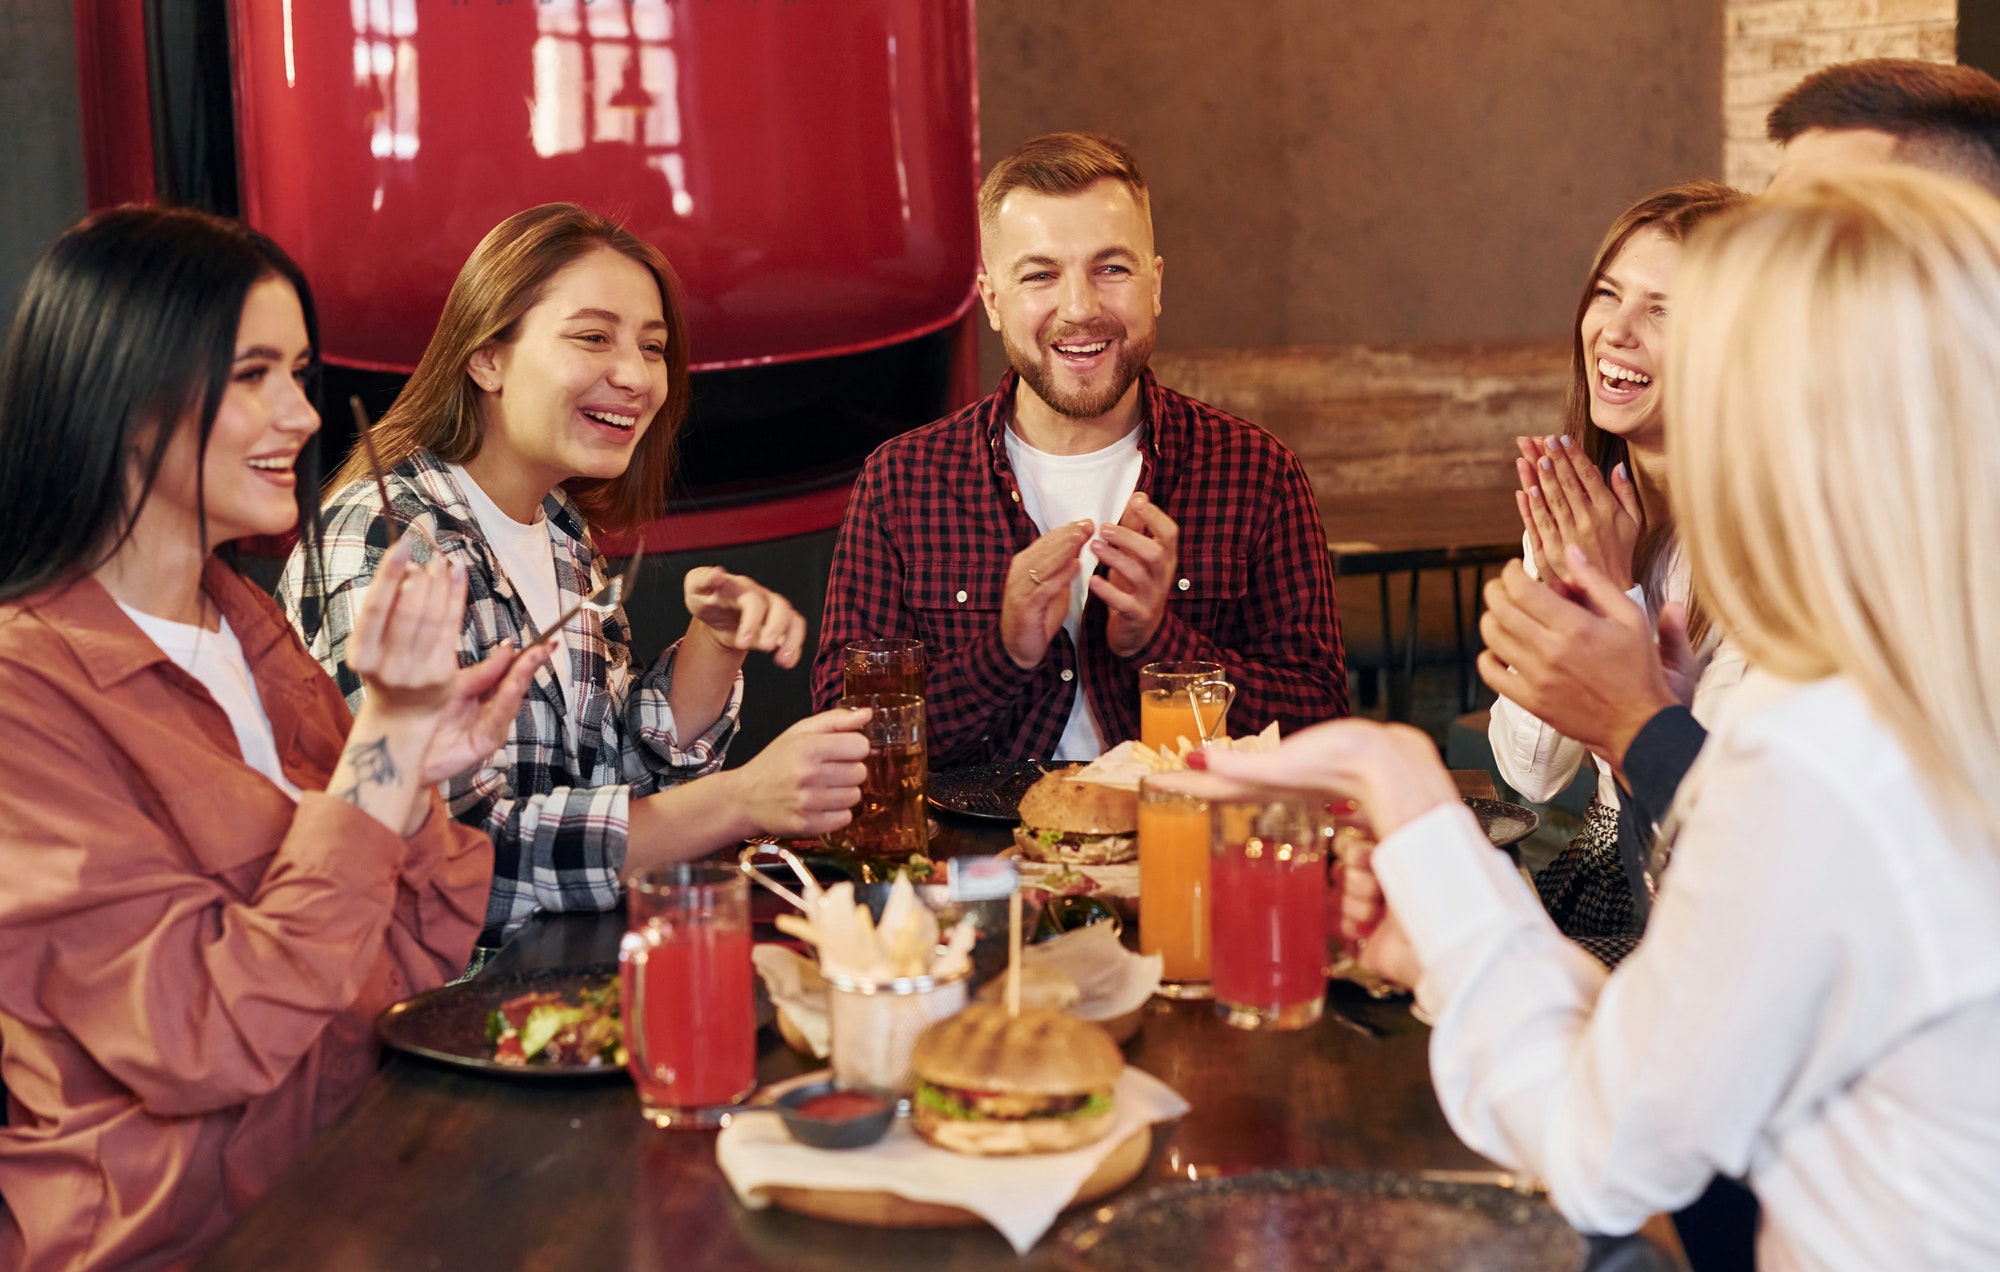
(690,1026)
(1268,889)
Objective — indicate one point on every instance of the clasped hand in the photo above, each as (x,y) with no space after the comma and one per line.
(1140,553)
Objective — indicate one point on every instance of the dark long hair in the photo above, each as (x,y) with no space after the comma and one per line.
(1674,212)
(126,334)
(439,409)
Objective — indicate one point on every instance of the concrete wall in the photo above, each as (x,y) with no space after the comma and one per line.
(41,155)
(1360,171)
(1770,45)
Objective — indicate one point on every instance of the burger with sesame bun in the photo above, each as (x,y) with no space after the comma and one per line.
(991,1085)
(1078,823)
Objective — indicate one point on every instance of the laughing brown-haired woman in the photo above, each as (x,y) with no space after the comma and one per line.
(542,416)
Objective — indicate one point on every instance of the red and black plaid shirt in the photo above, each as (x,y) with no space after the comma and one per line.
(936,518)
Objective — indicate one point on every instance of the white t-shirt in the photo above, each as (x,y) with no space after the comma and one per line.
(1816,1004)
(216,660)
(1059,489)
(528,560)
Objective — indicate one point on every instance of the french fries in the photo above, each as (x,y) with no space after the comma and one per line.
(906,943)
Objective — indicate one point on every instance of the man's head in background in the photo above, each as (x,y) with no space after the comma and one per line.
(1931,115)
(1069,276)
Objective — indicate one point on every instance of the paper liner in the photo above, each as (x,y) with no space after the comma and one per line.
(1110,980)
(797,989)
(1020,1196)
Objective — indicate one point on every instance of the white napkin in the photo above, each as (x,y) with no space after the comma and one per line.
(1020,1196)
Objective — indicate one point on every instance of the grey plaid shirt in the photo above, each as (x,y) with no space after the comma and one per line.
(555,796)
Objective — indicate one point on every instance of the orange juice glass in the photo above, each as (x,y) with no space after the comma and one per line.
(1173,884)
(1170,694)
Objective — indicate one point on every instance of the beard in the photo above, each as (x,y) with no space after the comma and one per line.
(1034,366)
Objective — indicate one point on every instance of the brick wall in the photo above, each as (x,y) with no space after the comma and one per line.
(1769,45)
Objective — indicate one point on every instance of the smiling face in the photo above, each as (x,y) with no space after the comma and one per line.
(1071,284)
(573,392)
(1624,333)
(264,421)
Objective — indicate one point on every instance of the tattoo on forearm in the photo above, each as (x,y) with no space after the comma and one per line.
(373,766)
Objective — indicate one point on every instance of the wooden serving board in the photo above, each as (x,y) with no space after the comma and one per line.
(887,1210)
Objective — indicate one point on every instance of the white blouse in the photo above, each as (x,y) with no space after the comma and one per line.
(1816,1006)
(1539,762)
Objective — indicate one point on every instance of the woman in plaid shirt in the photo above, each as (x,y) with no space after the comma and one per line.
(543,414)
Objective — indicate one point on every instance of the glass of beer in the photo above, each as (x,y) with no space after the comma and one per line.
(1267,860)
(1173,883)
(684,973)
(1183,700)
(883,666)
(893,817)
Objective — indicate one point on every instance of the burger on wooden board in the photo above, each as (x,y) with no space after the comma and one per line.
(991,1085)
(1078,823)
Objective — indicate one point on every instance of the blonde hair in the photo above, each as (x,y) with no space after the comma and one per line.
(1834,451)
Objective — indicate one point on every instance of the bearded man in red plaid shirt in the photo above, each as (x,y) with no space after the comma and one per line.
(1047,542)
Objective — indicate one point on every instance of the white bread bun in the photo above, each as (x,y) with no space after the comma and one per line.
(1078,823)
(1038,1052)
(1041,987)
(1085,808)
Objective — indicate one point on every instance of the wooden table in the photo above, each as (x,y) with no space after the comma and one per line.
(1408,532)
(437,1170)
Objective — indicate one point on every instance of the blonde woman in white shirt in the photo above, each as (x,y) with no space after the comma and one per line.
(1600,486)
(1817,1002)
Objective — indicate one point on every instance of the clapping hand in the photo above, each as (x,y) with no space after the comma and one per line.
(1565,504)
(1141,554)
(1583,658)
(1036,597)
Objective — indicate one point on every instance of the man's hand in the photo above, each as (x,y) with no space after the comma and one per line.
(741,614)
(1564,503)
(1581,658)
(1140,554)
(1036,598)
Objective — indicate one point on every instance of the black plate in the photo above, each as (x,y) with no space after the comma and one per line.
(1505,824)
(990,792)
(448,1024)
(1324,1219)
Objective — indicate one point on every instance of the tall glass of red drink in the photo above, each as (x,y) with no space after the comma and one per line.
(1268,888)
(690,1026)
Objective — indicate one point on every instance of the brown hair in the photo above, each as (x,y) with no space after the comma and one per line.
(1060,164)
(1673,212)
(439,409)
(1944,117)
